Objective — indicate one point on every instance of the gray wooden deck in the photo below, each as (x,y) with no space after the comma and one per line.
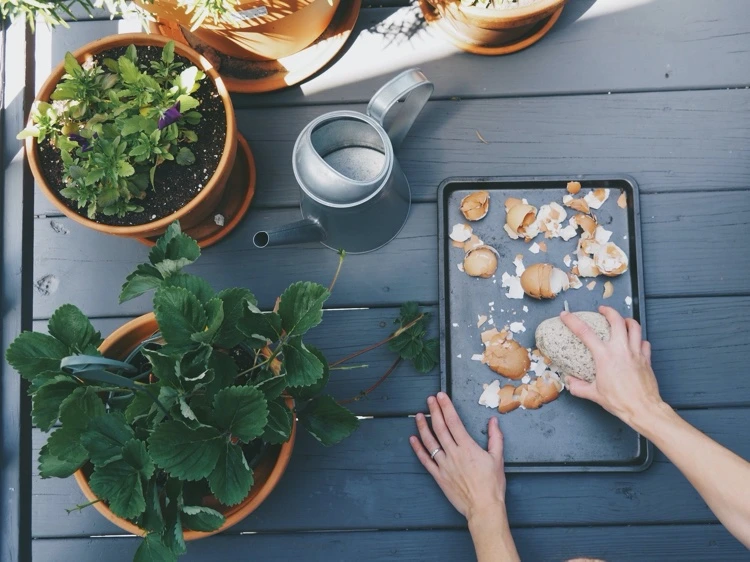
(657,89)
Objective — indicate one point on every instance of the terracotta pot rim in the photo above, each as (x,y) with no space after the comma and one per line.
(235,513)
(510,16)
(227,156)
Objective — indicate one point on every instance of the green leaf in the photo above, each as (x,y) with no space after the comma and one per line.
(302,367)
(48,398)
(163,367)
(259,327)
(80,407)
(225,371)
(279,426)
(128,70)
(72,66)
(327,421)
(187,103)
(272,386)
(185,453)
(105,437)
(234,301)
(32,353)
(214,317)
(152,549)
(305,393)
(175,254)
(65,445)
(135,454)
(51,466)
(232,478)
(167,53)
(185,157)
(199,518)
(141,405)
(193,369)
(124,169)
(120,485)
(301,307)
(71,326)
(179,314)
(196,285)
(187,79)
(153,520)
(242,411)
(427,360)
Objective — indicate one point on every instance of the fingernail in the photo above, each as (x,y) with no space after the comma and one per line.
(412,439)
(430,399)
(442,395)
(564,313)
(419,416)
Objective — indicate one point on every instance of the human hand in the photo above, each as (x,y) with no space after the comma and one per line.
(471,478)
(625,383)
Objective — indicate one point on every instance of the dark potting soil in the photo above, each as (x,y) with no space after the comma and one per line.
(174,185)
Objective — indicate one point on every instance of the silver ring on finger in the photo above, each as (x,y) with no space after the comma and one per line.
(435,452)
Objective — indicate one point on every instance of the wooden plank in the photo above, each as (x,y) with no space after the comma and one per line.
(16,217)
(682,354)
(373,481)
(668,141)
(687,238)
(658,543)
(666,45)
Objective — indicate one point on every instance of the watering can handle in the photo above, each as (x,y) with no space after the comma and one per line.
(397,118)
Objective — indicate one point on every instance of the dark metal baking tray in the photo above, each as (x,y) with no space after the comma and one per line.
(569,434)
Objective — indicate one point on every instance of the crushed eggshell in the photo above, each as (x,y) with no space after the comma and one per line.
(596,197)
(534,248)
(517,327)
(460,267)
(573,187)
(602,235)
(481,261)
(481,319)
(489,397)
(574,281)
(609,289)
(460,232)
(477,357)
(628,301)
(513,284)
(567,260)
(543,246)
(591,286)
(611,260)
(526,379)
(518,262)
(622,201)
(525,308)
(473,242)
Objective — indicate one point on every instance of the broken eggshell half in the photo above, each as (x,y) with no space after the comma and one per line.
(506,357)
(481,261)
(611,260)
(476,205)
(518,216)
(544,281)
(507,401)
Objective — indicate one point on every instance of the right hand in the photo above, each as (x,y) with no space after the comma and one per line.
(625,383)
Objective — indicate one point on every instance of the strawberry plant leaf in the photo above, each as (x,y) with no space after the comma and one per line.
(71,326)
(152,549)
(47,399)
(196,285)
(32,353)
(327,421)
(185,453)
(279,426)
(242,411)
(303,368)
(232,478)
(259,327)
(105,438)
(235,302)
(51,466)
(301,307)
(179,314)
(143,279)
(199,518)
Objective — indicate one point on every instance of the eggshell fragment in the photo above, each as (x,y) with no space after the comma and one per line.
(508,402)
(611,260)
(481,262)
(530,399)
(460,232)
(577,204)
(489,397)
(476,205)
(596,197)
(587,224)
(573,187)
(513,284)
(609,289)
(473,242)
(544,281)
(591,286)
(622,200)
(506,357)
(548,388)
(519,217)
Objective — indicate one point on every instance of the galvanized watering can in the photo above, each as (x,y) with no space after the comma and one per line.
(354,194)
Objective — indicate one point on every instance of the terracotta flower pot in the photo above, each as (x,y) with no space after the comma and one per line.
(490,30)
(267,30)
(266,474)
(197,209)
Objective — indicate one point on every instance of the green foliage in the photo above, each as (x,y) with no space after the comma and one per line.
(410,340)
(328,422)
(115,122)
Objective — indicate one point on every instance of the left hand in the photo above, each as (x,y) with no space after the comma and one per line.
(471,478)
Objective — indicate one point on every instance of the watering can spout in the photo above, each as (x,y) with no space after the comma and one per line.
(306,230)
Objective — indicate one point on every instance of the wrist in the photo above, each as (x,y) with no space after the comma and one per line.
(491,511)
(647,417)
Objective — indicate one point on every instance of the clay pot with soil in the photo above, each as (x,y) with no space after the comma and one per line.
(492,27)
(132,132)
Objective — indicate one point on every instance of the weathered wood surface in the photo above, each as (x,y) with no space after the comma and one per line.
(658,543)
(373,481)
(668,141)
(682,354)
(686,252)
(596,46)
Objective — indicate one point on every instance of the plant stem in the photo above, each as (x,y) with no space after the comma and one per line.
(380,381)
(342,255)
(378,344)
(82,506)
(349,367)
(270,358)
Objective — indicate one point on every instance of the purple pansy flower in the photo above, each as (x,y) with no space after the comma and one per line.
(170,116)
(83,142)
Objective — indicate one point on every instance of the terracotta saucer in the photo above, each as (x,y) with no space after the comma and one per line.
(233,205)
(252,77)
(444,28)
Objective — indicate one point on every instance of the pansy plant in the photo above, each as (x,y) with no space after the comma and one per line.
(114,123)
